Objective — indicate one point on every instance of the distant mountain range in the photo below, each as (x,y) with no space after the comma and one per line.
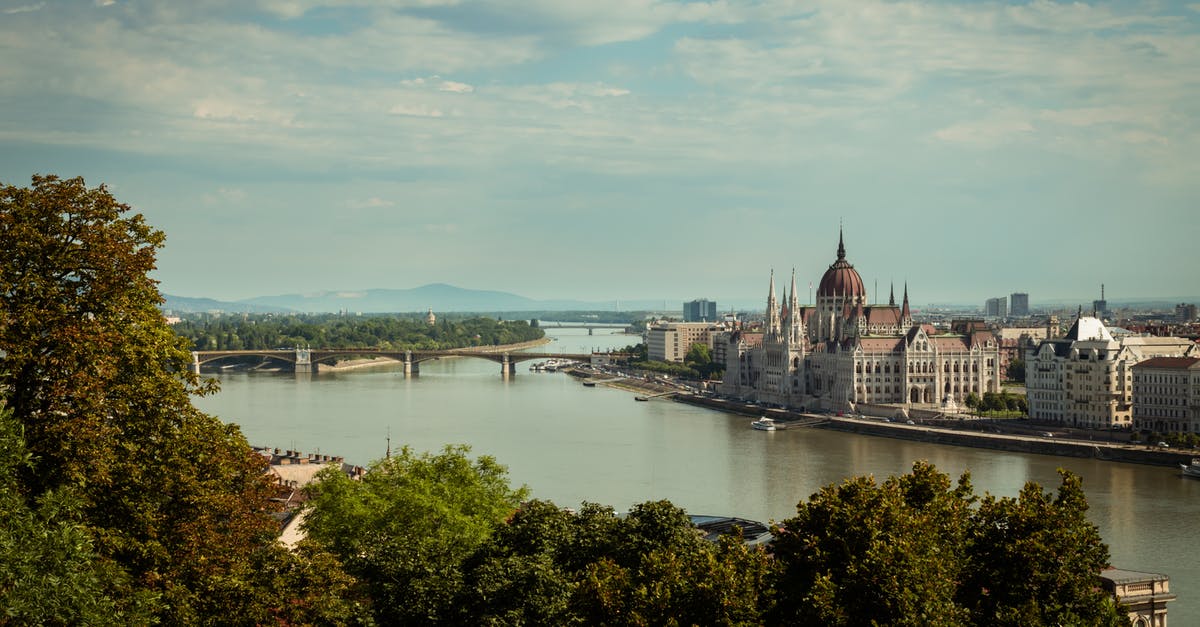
(437,296)
(448,298)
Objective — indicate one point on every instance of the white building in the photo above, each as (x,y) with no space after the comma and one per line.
(843,351)
(1085,378)
(1166,395)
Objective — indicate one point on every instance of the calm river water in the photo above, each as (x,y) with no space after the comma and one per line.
(571,444)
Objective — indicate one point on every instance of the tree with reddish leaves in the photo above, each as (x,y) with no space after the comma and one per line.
(99,384)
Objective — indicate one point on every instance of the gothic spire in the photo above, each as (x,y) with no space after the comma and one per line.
(841,244)
(904,313)
(892,295)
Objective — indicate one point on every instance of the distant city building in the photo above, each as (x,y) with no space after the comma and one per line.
(1100,307)
(1185,312)
(431,319)
(842,351)
(1018,304)
(1166,395)
(996,307)
(1085,378)
(670,341)
(701,310)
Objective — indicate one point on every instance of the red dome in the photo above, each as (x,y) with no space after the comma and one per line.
(841,279)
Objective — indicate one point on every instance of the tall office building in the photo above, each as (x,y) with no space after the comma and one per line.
(702,310)
(1018,304)
(996,307)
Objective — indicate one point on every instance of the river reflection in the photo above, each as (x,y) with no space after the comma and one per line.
(570,444)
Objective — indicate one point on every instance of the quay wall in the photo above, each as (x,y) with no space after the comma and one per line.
(1126,453)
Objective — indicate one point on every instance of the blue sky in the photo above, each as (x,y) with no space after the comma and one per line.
(627,148)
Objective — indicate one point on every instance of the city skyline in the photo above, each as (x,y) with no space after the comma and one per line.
(632,151)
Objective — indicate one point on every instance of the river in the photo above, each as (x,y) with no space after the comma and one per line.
(571,444)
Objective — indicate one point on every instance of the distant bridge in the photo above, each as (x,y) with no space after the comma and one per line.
(590,326)
(304,358)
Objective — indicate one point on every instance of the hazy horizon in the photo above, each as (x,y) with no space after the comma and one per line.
(628,150)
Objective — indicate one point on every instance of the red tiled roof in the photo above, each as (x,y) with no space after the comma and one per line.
(1170,363)
(881,344)
(883,315)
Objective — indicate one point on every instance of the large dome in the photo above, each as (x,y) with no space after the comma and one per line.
(841,279)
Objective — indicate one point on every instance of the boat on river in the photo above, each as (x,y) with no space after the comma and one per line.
(589,384)
(1192,469)
(766,424)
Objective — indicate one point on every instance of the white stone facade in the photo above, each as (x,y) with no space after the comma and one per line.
(1166,395)
(842,351)
(1085,379)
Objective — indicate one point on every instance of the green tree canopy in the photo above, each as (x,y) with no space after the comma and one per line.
(915,550)
(406,527)
(100,387)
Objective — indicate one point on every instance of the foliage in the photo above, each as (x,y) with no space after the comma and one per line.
(699,358)
(406,527)
(867,553)
(972,401)
(1016,370)
(549,566)
(50,572)
(1003,401)
(100,386)
(1033,561)
(914,550)
(383,332)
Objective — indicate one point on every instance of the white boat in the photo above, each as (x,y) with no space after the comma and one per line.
(1191,470)
(766,424)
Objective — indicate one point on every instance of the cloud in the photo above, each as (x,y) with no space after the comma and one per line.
(373,202)
(416,110)
(458,88)
(28,8)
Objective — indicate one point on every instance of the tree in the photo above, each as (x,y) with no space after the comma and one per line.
(866,553)
(50,572)
(915,550)
(1015,370)
(100,386)
(973,400)
(1033,560)
(406,528)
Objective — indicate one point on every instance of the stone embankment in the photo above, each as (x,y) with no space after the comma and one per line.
(1108,451)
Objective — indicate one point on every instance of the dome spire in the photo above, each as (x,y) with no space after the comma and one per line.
(841,244)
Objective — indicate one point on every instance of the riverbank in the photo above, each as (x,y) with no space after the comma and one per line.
(1014,443)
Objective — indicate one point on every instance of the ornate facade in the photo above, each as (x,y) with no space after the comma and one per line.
(842,351)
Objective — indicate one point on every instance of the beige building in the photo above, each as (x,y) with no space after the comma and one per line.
(843,351)
(1166,395)
(1143,596)
(1085,378)
(670,341)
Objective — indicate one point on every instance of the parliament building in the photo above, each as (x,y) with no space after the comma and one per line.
(843,352)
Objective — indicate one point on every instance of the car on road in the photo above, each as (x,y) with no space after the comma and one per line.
(1047,434)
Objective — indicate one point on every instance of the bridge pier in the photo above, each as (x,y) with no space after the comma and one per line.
(507,368)
(194,368)
(303,360)
(411,368)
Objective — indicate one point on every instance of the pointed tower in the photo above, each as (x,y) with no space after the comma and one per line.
(772,310)
(905,315)
(892,295)
(795,321)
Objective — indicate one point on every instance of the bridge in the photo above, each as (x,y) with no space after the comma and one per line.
(590,326)
(304,358)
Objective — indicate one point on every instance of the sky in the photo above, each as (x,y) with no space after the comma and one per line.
(626,149)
